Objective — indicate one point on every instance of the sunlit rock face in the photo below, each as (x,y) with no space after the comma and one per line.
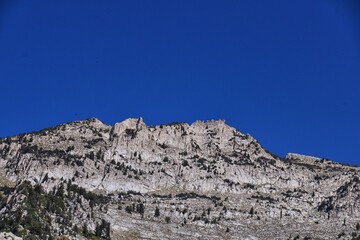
(206,180)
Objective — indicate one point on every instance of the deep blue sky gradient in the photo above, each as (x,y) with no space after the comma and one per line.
(287,72)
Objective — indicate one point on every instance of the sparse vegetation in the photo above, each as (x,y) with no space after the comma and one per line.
(157,212)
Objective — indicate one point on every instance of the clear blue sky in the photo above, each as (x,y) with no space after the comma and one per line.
(287,72)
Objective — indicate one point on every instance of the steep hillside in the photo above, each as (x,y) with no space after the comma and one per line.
(87,180)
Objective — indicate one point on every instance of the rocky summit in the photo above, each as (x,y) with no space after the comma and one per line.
(207,180)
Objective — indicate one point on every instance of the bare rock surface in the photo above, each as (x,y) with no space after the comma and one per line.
(207,180)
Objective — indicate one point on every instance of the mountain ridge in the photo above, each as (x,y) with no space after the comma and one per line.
(132,170)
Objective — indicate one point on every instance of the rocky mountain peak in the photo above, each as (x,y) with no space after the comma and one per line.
(135,124)
(207,178)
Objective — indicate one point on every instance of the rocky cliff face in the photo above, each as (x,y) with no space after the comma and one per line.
(201,181)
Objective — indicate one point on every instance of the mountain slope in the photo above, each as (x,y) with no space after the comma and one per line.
(205,180)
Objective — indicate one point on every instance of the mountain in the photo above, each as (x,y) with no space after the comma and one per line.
(207,180)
